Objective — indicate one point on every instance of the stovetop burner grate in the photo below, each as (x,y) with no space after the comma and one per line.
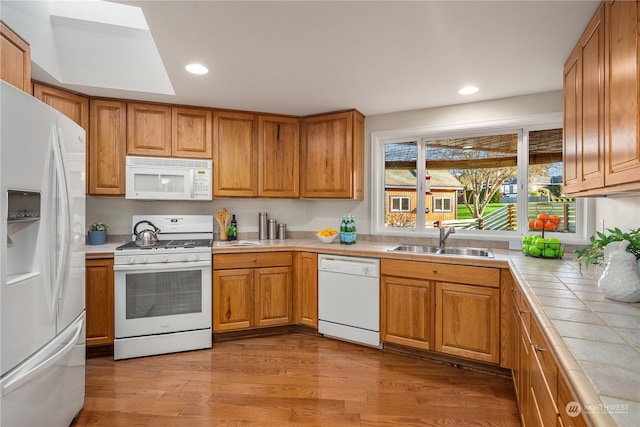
(170,244)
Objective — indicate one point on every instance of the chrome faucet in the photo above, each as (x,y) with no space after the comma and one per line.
(444,233)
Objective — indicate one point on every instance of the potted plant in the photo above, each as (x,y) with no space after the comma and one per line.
(98,233)
(594,253)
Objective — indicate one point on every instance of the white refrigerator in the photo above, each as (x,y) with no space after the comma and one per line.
(42,236)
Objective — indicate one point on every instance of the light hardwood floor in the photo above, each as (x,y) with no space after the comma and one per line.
(294,379)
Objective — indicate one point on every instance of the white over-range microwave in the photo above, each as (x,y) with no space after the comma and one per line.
(156,178)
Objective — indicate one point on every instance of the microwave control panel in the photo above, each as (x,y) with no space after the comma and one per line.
(201,184)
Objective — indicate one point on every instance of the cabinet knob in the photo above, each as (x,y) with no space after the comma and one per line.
(521,311)
(539,349)
(435,270)
(514,290)
(254,260)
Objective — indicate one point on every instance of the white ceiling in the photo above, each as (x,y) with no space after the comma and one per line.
(305,57)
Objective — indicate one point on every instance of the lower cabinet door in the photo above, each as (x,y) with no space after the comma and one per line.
(232,299)
(273,296)
(406,312)
(468,321)
(99,296)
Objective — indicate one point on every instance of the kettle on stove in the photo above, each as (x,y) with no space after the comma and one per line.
(146,237)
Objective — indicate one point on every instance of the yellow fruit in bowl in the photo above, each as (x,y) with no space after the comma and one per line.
(327,232)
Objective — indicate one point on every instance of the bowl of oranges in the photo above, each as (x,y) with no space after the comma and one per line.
(328,235)
(544,222)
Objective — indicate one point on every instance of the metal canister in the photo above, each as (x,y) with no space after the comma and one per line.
(273,229)
(282,231)
(262,226)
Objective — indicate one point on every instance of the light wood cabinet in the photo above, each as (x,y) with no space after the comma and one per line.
(521,353)
(148,129)
(566,404)
(584,151)
(99,282)
(332,156)
(468,321)
(542,389)
(235,155)
(252,290)
(601,109)
(107,147)
(15,59)
(72,105)
(192,130)
(622,89)
(305,289)
(233,306)
(406,308)
(169,131)
(278,156)
(453,309)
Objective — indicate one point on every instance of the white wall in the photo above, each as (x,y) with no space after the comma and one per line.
(618,211)
(311,215)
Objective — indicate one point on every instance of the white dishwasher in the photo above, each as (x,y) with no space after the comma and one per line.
(349,298)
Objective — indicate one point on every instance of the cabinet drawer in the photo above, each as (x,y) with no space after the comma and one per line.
(542,352)
(522,308)
(484,276)
(251,260)
(568,413)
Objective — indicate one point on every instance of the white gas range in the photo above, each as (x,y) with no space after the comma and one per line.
(163,290)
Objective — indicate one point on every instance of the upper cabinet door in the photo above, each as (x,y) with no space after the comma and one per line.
(278,156)
(148,130)
(74,106)
(107,147)
(15,59)
(622,91)
(332,156)
(191,132)
(234,155)
(584,150)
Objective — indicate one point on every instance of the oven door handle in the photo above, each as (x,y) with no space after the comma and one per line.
(159,267)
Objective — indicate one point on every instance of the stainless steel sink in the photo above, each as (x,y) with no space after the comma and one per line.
(434,250)
(478,252)
(415,249)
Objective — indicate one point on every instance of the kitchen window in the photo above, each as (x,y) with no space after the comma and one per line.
(486,181)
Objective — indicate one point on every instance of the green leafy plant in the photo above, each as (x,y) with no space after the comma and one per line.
(98,226)
(593,254)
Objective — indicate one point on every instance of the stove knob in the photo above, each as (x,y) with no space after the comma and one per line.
(131,259)
(183,257)
(164,258)
(196,257)
(143,259)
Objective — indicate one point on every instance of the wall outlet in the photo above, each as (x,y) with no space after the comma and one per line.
(602,225)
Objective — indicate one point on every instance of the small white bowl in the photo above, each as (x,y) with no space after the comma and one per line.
(324,239)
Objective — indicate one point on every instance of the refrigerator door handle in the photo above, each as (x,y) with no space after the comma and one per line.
(20,380)
(62,271)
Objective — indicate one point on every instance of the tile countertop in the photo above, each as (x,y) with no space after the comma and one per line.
(596,340)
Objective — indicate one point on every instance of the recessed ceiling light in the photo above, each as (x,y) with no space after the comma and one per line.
(197,69)
(468,90)
(467,147)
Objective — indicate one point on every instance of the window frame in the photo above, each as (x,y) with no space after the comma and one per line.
(391,198)
(585,208)
(443,199)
